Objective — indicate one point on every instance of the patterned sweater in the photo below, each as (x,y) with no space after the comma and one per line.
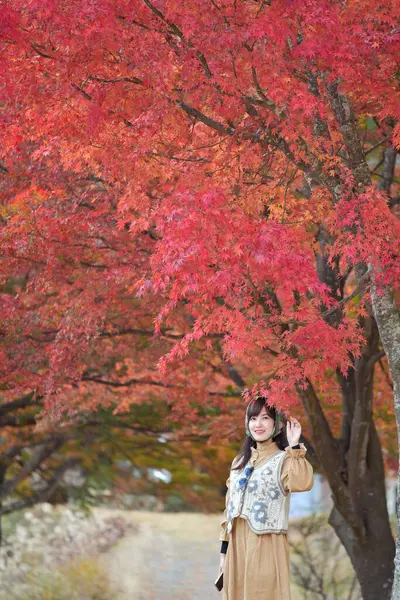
(296,475)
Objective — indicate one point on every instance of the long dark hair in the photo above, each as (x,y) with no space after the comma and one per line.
(280,438)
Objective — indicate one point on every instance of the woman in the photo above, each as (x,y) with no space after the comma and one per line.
(271,465)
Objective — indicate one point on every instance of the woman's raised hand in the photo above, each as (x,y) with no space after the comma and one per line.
(293,431)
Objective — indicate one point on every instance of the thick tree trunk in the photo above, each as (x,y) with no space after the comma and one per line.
(388,320)
(371,560)
(372,552)
(353,463)
(354,468)
(386,314)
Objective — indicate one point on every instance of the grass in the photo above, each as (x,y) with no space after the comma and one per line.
(150,558)
(81,579)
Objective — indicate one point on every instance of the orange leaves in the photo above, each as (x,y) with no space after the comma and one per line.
(396,135)
(24,202)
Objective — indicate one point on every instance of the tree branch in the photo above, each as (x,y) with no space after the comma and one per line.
(145,381)
(327,454)
(212,123)
(43,452)
(22,402)
(43,495)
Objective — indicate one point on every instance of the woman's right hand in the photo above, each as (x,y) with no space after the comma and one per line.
(222,562)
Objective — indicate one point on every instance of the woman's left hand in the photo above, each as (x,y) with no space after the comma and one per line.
(293,431)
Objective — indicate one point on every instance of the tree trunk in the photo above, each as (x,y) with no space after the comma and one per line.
(372,560)
(386,314)
(371,553)
(388,320)
(353,465)
(353,462)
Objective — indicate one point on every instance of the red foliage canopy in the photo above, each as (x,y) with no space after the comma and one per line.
(204,153)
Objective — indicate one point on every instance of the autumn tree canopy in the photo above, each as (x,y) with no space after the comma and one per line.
(216,133)
(229,168)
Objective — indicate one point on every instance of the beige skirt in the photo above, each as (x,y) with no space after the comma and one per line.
(257,566)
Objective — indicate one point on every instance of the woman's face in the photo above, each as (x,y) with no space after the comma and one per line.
(261,426)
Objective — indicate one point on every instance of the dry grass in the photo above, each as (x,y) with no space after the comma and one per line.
(174,556)
(171,557)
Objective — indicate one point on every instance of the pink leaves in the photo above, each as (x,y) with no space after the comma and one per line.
(96,112)
(239,276)
(369,233)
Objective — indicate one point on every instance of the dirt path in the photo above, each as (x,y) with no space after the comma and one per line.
(168,557)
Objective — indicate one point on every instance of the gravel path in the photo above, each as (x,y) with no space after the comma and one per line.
(167,557)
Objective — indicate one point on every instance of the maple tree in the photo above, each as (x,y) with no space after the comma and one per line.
(220,160)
